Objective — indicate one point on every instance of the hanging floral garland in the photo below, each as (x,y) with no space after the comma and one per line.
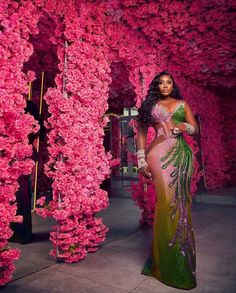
(78,163)
(15,126)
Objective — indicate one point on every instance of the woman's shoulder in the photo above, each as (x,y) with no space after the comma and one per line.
(186,105)
(179,101)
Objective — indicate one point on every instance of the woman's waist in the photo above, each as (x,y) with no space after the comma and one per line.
(162,141)
(161,136)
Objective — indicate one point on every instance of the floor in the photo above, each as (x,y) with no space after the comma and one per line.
(116,266)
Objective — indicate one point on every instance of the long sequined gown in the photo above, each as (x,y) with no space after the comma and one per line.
(172,258)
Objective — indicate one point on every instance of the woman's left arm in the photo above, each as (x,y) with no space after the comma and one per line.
(190,125)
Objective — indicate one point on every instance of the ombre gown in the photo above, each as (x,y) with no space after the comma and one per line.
(172,258)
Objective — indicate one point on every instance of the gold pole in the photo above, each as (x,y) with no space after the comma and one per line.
(37,146)
(113,114)
(30,91)
(41,94)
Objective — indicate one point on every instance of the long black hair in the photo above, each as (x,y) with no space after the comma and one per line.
(153,95)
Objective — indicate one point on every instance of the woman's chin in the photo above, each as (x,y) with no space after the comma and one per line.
(165,95)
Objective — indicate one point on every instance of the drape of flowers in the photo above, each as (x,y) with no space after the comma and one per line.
(15,152)
(44,60)
(78,163)
(121,91)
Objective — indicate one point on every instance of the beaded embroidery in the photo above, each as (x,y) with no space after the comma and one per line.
(180,156)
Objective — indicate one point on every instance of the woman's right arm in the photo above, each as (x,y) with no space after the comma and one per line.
(141,145)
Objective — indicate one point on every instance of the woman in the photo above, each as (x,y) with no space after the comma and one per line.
(168,161)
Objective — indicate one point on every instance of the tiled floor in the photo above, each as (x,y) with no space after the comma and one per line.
(116,266)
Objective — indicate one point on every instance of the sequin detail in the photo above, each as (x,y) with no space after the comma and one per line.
(160,113)
(180,156)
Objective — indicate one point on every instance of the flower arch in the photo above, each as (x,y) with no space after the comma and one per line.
(89,36)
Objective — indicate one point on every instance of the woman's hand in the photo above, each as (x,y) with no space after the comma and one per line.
(176,129)
(174,132)
(145,172)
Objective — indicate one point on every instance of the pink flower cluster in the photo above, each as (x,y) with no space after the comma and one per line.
(44,59)
(121,91)
(195,37)
(78,163)
(15,126)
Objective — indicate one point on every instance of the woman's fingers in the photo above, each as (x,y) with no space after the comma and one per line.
(174,132)
(146,172)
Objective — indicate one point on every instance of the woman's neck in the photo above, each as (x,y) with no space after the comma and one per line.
(165,98)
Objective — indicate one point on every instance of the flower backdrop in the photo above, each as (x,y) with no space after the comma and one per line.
(227,121)
(192,39)
(121,91)
(44,59)
(15,152)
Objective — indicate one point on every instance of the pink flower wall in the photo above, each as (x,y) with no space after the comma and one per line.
(227,106)
(44,59)
(192,39)
(15,152)
(121,91)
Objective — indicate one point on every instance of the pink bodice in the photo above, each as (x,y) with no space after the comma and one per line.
(160,113)
(162,117)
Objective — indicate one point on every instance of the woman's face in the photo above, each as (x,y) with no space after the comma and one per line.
(165,85)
